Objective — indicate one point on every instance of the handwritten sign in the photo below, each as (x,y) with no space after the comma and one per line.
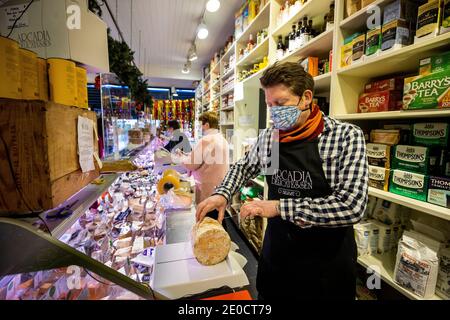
(86,144)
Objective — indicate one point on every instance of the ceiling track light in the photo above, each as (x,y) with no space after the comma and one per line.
(187,67)
(192,55)
(202,32)
(213,5)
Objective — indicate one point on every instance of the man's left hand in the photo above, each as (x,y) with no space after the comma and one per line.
(265,209)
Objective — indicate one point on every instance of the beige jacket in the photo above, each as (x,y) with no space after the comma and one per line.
(208,163)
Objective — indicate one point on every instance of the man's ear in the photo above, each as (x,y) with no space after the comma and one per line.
(308,97)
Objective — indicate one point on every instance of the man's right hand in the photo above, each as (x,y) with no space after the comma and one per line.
(215,202)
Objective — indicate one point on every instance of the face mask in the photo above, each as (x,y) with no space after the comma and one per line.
(285,117)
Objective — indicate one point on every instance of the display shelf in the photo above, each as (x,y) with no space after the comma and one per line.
(229,52)
(358,20)
(386,266)
(228,73)
(216,83)
(320,45)
(256,55)
(227,108)
(405,59)
(82,200)
(322,83)
(228,90)
(402,114)
(421,206)
(227,124)
(254,77)
(260,22)
(312,8)
(258,182)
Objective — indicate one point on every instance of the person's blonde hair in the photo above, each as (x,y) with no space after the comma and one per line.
(211,118)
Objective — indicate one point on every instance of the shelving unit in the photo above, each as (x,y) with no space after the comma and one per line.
(342,86)
(386,265)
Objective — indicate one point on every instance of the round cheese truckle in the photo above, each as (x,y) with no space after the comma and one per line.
(168,182)
(171,172)
(210,242)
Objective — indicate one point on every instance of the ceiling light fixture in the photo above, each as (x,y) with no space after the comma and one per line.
(187,68)
(192,56)
(202,32)
(213,5)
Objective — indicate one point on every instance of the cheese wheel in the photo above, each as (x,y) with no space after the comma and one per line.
(210,242)
(167,181)
(171,172)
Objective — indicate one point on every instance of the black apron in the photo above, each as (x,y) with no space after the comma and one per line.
(311,263)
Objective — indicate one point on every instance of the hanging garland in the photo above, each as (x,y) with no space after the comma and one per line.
(121,63)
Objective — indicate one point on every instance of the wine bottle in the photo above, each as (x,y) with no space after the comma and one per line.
(280,48)
(299,33)
(292,38)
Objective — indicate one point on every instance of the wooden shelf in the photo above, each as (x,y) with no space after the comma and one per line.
(319,45)
(229,52)
(256,55)
(386,265)
(227,74)
(404,114)
(322,83)
(401,60)
(421,206)
(227,91)
(260,22)
(358,20)
(312,8)
(254,77)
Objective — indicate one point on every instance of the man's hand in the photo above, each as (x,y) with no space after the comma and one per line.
(215,202)
(265,209)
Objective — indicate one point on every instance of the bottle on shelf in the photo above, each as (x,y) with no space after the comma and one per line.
(303,34)
(292,36)
(280,48)
(285,12)
(251,44)
(311,31)
(331,16)
(286,44)
(298,36)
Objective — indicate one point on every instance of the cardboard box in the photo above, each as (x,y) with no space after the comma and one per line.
(389,137)
(408,184)
(427,92)
(411,158)
(379,155)
(359,46)
(373,41)
(428,19)
(445,20)
(311,65)
(391,84)
(439,191)
(438,63)
(431,134)
(400,9)
(42,143)
(395,34)
(379,178)
(380,101)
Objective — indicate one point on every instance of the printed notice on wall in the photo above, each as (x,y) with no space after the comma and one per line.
(10,14)
(86,144)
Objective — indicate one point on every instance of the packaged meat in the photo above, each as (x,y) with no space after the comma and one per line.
(411,158)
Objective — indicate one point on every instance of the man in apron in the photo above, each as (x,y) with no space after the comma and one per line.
(317,192)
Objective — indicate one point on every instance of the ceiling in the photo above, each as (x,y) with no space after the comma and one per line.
(162,31)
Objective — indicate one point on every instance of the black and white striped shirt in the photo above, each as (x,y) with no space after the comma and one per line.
(342,149)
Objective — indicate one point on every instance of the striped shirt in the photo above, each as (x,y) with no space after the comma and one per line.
(342,149)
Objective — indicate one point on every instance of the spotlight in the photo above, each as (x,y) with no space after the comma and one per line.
(213,5)
(193,53)
(202,31)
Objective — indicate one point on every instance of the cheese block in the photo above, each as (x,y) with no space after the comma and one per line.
(210,242)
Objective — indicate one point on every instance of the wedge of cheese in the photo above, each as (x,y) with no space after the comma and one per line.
(211,243)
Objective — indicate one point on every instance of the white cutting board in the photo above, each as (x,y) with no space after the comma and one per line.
(178,274)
